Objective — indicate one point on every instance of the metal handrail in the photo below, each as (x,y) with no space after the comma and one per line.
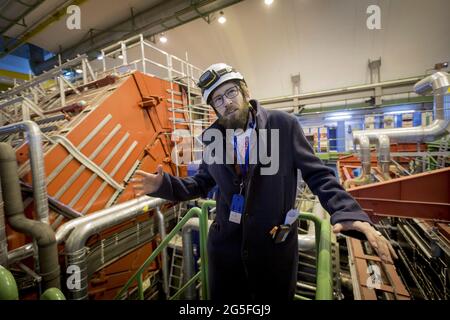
(202,274)
(324,276)
(324,272)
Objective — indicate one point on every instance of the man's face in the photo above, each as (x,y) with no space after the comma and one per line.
(231,106)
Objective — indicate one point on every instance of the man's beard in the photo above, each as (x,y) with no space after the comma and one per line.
(237,119)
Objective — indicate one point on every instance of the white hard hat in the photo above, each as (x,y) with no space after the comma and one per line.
(214,76)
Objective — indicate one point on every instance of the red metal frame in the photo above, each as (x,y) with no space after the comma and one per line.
(425,195)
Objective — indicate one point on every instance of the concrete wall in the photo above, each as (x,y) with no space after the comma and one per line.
(326,41)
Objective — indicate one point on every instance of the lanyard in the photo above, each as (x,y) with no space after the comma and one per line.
(244,168)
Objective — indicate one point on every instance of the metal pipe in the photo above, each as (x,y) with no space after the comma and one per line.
(306,286)
(118,244)
(40,231)
(364,150)
(75,245)
(307,242)
(434,131)
(441,105)
(432,83)
(20,253)
(55,204)
(34,137)
(438,83)
(345,90)
(165,267)
(384,154)
(417,241)
(63,232)
(192,224)
(63,209)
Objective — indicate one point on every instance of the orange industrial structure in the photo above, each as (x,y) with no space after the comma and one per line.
(120,124)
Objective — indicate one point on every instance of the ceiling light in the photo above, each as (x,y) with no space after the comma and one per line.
(79,71)
(120,56)
(339,116)
(343,117)
(222,18)
(400,112)
(163,38)
(268,2)
(100,57)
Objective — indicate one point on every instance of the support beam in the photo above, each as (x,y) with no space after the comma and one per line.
(20,19)
(424,195)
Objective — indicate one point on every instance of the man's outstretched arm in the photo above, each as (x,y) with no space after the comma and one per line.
(166,186)
(346,214)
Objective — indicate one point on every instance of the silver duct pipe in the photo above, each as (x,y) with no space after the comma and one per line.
(188,255)
(34,137)
(3,242)
(63,232)
(437,83)
(116,245)
(364,150)
(384,154)
(434,131)
(165,263)
(307,242)
(76,251)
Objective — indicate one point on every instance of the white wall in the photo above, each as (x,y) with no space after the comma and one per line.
(327,41)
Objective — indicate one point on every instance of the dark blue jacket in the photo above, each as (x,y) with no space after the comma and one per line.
(244,261)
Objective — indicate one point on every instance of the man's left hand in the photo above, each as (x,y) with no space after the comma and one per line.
(381,245)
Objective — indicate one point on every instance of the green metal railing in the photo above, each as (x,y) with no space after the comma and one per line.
(202,274)
(324,272)
(324,283)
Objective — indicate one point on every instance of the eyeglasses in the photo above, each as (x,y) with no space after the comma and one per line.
(219,102)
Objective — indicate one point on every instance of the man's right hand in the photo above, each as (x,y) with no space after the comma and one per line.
(145,183)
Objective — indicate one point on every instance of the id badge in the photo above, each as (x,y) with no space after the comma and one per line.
(237,208)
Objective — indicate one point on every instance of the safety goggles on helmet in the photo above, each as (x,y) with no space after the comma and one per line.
(210,77)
